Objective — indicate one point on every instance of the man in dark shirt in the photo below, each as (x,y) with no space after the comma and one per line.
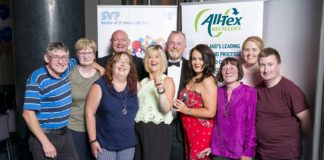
(120,43)
(282,112)
(177,65)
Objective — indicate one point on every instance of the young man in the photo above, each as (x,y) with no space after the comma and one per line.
(48,104)
(282,112)
(177,65)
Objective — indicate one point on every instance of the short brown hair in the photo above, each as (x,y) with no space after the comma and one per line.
(266,52)
(233,61)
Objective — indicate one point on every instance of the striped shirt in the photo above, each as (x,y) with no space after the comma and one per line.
(49,97)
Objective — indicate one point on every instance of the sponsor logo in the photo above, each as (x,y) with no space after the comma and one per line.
(218,23)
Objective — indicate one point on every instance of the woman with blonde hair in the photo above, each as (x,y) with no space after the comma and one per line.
(251,48)
(155,102)
(82,77)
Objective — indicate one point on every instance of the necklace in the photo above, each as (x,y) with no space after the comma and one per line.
(123,98)
(124,106)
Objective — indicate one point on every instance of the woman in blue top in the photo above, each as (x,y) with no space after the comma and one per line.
(111,107)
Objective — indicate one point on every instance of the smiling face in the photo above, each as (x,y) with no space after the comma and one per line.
(250,53)
(197,62)
(230,73)
(121,67)
(154,62)
(57,62)
(176,45)
(120,41)
(269,68)
(86,56)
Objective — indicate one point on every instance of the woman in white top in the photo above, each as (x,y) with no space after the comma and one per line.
(155,102)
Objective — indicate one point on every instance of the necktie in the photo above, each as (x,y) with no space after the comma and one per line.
(174,63)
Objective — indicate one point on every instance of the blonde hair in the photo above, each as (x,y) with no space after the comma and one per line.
(257,40)
(84,43)
(158,49)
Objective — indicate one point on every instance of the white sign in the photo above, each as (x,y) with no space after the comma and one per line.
(222,26)
(145,25)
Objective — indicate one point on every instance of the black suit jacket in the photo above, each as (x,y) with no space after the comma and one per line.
(183,78)
(141,73)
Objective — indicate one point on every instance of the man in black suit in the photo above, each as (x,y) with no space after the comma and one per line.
(120,43)
(177,65)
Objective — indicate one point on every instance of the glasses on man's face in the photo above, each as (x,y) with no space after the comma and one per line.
(58,58)
(85,54)
(171,43)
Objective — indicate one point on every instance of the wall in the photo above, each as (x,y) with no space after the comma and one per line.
(293,28)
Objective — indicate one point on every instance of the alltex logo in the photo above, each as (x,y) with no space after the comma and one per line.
(218,23)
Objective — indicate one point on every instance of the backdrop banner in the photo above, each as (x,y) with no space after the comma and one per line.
(145,25)
(223,26)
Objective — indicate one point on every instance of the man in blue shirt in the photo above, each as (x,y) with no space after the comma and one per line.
(47,106)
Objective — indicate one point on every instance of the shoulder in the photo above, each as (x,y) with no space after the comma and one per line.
(289,86)
(209,81)
(38,75)
(248,88)
(137,59)
(209,84)
(168,80)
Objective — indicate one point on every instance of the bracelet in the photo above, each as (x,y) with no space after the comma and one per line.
(93,141)
(162,91)
(189,111)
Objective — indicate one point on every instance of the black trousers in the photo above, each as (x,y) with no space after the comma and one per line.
(177,140)
(63,144)
(153,141)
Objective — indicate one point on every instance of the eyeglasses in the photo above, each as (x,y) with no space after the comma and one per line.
(57,58)
(123,62)
(174,43)
(86,53)
(230,69)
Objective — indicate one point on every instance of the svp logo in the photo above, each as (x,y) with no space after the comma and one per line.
(218,23)
(109,16)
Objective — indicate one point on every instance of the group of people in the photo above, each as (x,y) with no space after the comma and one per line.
(163,106)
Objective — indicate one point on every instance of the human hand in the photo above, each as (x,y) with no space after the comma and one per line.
(204,153)
(49,150)
(245,158)
(180,106)
(158,82)
(95,148)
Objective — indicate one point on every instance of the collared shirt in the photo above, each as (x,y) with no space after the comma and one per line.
(175,73)
(234,131)
(49,97)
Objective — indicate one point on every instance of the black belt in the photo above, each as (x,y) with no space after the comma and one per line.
(55,131)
